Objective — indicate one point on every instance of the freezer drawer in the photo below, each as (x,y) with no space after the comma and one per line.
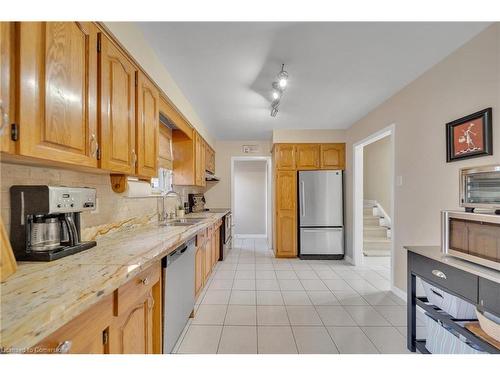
(321,241)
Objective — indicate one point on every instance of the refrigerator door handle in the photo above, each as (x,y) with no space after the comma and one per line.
(321,230)
(303,199)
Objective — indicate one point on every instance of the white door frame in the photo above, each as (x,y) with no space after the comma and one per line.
(358,150)
(267,159)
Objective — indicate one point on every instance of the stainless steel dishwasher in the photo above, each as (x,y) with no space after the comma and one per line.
(178,278)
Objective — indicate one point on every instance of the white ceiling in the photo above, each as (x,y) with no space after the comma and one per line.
(338,71)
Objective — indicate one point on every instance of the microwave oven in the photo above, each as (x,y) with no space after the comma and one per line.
(474,237)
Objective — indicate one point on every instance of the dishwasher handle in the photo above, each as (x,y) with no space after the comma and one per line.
(174,255)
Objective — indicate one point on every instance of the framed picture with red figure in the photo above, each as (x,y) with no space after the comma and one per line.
(469,136)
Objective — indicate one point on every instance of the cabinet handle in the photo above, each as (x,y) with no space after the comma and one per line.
(145,281)
(64,347)
(94,146)
(439,273)
(134,157)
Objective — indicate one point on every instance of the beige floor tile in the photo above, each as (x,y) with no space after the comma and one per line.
(351,340)
(269,297)
(313,340)
(338,285)
(323,298)
(388,340)
(327,274)
(286,275)
(216,297)
(298,298)
(244,284)
(238,340)
(201,340)
(221,284)
(267,284)
(265,275)
(366,316)
(313,285)
(307,275)
(335,316)
(272,315)
(238,315)
(276,340)
(264,267)
(222,274)
(242,297)
(290,285)
(303,315)
(350,298)
(396,315)
(244,274)
(210,315)
(379,298)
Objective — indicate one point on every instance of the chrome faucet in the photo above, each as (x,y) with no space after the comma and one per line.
(163,216)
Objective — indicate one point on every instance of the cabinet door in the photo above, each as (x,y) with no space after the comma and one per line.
(307,156)
(7,85)
(58,91)
(332,156)
(285,156)
(132,333)
(208,257)
(286,190)
(88,333)
(117,95)
(199,160)
(286,234)
(214,248)
(199,273)
(165,148)
(147,126)
(286,213)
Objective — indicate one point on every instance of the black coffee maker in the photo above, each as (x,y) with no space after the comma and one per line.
(45,221)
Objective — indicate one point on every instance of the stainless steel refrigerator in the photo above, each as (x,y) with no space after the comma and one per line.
(321,214)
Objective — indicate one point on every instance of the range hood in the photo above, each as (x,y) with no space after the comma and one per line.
(211,177)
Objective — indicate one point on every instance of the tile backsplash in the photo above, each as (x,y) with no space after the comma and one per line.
(113,209)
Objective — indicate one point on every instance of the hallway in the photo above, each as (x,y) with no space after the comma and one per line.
(254,303)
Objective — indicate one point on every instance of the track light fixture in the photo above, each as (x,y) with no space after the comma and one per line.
(279,87)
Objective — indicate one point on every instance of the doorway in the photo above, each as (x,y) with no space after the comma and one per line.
(251,197)
(373,195)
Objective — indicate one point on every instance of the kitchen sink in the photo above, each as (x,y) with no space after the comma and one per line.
(183,222)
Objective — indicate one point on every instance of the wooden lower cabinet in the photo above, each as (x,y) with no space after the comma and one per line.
(206,256)
(127,321)
(87,333)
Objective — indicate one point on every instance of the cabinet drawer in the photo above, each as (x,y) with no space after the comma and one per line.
(489,296)
(452,279)
(128,294)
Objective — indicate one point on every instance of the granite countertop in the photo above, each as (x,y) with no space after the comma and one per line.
(43,296)
(434,252)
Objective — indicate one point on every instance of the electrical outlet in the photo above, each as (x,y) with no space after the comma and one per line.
(399,180)
(96,210)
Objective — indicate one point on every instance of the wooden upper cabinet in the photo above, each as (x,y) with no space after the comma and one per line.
(307,156)
(285,156)
(147,129)
(209,159)
(58,91)
(199,167)
(117,130)
(7,85)
(332,156)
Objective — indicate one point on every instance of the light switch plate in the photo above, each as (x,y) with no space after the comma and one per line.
(399,180)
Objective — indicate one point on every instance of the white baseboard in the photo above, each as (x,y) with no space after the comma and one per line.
(348,259)
(250,236)
(401,294)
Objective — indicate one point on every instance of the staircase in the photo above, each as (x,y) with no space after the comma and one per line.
(376,232)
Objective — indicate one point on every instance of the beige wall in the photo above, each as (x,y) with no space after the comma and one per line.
(466,81)
(308,135)
(377,173)
(250,177)
(218,195)
(133,40)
